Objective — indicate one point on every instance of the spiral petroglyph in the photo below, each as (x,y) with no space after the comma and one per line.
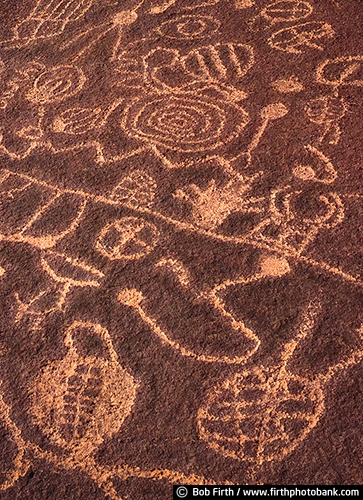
(183,122)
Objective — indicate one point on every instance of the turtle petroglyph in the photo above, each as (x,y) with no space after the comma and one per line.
(262,413)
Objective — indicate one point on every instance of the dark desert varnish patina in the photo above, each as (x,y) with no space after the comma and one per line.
(180,245)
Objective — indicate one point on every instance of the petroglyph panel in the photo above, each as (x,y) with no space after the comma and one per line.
(180,240)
